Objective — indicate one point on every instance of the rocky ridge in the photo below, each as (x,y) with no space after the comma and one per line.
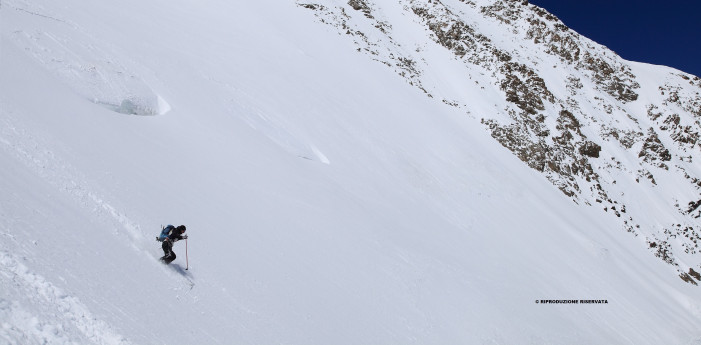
(609,133)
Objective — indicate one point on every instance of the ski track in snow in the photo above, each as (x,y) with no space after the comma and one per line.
(92,69)
(45,314)
(34,154)
(272,126)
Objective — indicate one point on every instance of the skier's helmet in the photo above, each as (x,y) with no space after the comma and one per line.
(181,228)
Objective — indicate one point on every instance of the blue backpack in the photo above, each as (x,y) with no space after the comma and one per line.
(165,232)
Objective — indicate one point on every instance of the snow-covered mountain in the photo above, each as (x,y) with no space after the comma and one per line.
(360,172)
(617,135)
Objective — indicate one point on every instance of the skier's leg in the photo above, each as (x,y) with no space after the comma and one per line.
(168,251)
(171,257)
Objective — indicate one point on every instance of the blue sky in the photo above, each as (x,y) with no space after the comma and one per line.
(663,32)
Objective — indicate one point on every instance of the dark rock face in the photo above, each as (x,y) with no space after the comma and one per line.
(653,150)
(568,108)
(590,149)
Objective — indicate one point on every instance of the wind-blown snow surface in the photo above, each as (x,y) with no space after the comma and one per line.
(327,201)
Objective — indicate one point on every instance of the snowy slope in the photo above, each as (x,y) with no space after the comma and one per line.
(326,199)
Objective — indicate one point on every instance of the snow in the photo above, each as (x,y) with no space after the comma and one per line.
(326,200)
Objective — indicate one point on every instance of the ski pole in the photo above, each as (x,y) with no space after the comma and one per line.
(187,262)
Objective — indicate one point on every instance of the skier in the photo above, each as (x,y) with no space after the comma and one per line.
(169,235)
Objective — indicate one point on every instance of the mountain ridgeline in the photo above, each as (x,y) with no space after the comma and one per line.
(616,135)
